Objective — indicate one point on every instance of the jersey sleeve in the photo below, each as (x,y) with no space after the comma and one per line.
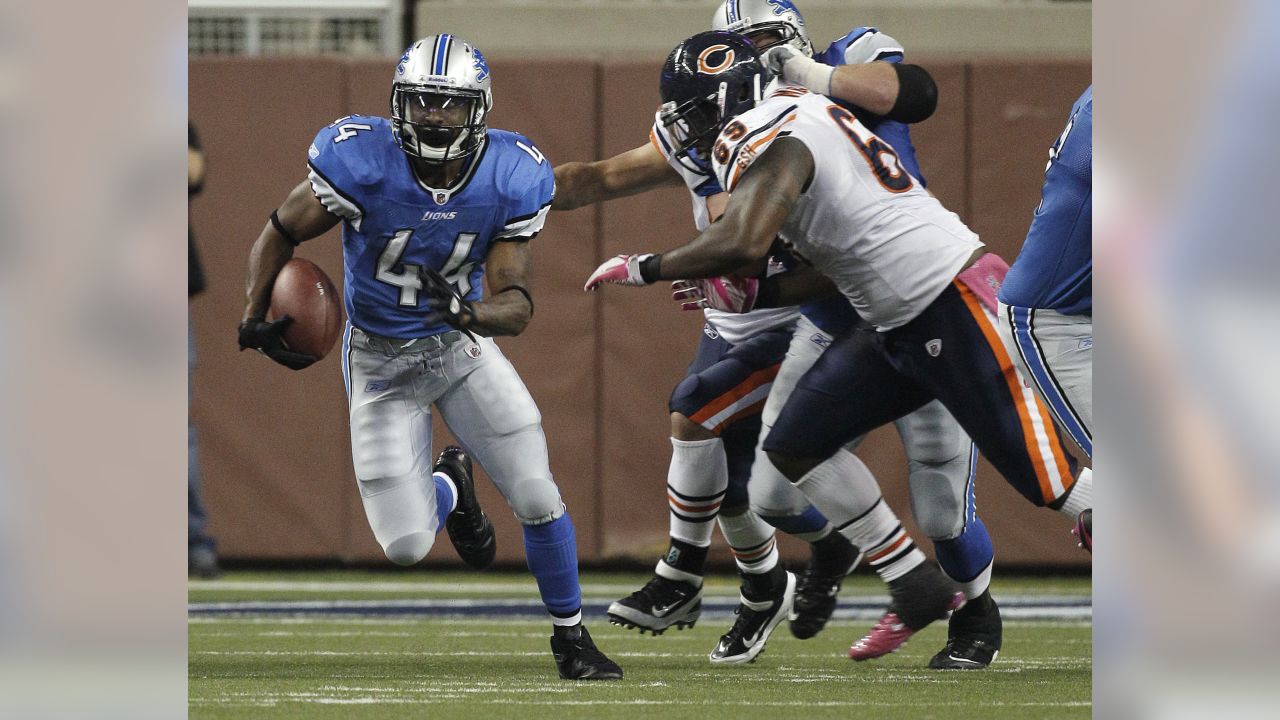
(698,177)
(863,45)
(531,186)
(746,138)
(332,178)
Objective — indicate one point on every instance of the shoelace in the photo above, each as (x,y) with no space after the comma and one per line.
(651,592)
(814,588)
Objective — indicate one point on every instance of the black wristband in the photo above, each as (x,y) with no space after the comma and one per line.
(522,291)
(767,293)
(917,94)
(651,268)
(279,226)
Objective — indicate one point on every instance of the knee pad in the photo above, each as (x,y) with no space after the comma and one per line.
(771,494)
(409,549)
(535,501)
(938,498)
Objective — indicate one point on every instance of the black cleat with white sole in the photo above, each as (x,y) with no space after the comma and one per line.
(469,528)
(756,622)
(578,658)
(660,604)
(974,635)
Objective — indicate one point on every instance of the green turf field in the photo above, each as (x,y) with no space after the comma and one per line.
(323,666)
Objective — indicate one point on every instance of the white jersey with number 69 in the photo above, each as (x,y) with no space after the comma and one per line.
(863,221)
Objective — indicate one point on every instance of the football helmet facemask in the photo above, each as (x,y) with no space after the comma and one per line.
(765,22)
(707,80)
(440,97)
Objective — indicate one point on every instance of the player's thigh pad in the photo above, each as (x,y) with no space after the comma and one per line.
(940,465)
(390,429)
(493,415)
(727,383)
(851,390)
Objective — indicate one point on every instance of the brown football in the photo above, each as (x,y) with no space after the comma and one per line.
(303,292)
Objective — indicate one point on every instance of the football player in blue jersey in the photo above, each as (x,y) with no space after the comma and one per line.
(1046,301)
(431,201)
(864,73)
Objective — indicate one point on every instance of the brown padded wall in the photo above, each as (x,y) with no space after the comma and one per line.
(275,445)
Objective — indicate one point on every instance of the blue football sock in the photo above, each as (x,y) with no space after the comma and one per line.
(444,499)
(963,558)
(552,552)
(809,521)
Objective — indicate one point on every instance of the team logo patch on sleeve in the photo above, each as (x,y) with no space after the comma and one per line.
(933,347)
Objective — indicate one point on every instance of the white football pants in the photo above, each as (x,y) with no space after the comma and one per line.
(391,385)
(1055,353)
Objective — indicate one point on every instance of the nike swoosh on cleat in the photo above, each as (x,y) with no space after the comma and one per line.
(953,657)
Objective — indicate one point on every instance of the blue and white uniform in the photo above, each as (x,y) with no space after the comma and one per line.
(1046,301)
(395,365)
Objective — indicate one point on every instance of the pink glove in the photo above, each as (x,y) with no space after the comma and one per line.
(619,270)
(722,293)
(984,278)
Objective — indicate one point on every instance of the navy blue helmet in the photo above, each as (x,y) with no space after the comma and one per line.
(706,81)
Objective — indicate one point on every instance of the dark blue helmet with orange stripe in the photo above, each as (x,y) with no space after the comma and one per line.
(707,80)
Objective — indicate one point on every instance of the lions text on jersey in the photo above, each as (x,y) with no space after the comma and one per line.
(393,225)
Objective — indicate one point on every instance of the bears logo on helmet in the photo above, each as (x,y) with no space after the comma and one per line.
(706,81)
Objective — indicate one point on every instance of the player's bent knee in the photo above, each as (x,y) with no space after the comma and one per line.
(409,549)
(682,428)
(794,468)
(535,501)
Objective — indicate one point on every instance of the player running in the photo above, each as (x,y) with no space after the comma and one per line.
(1046,302)
(840,198)
(432,201)
(742,361)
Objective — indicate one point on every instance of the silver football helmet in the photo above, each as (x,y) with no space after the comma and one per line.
(440,97)
(766,22)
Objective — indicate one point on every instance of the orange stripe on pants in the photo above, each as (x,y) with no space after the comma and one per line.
(1024,410)
(753,381)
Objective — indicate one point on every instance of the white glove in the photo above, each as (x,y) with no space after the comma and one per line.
(619,270)
(722,293)
(794,66)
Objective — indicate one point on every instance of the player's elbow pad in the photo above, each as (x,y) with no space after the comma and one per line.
(917,94)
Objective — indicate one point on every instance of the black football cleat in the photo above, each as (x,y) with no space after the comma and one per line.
(469,528)
(658,605)
(1084,529)
(818,587)
(756,621)
(578,658)
(974,635)
(918,598)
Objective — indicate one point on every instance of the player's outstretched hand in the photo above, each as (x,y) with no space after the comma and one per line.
(267,338)
(722,293)
(796,67)
(447,306)
(619,270)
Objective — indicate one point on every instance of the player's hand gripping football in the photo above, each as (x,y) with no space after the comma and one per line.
(447,306)
(619,270)
(722,293)
(267,338)
(796,67)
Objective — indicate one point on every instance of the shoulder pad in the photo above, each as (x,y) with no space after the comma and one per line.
(863,45)
(747,136)
(526,181)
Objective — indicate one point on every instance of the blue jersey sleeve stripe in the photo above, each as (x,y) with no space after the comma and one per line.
(345,196)
(530,216)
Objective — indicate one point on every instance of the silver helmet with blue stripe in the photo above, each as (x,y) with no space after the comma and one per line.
(766,22)
(440,97)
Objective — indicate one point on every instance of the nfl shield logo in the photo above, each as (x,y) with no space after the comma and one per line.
(442,198)
(933,347)
(473,351)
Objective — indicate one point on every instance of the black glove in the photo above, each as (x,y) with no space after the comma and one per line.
(447,306)
(267,338)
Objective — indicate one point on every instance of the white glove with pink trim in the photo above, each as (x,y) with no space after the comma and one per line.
(619,270)
(722,293)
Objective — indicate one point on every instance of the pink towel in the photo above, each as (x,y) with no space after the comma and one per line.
(984,278)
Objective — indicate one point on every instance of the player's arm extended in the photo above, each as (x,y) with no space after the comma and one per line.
(630,173)
(756,211)
(509,306)
(897,91)
(302,217)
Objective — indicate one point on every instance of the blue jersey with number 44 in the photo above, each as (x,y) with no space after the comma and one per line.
(394,225)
